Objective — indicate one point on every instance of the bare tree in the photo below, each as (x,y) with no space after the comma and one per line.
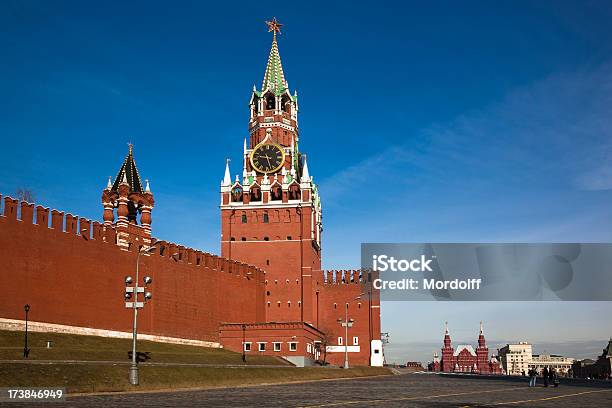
(325,341)
(25,194)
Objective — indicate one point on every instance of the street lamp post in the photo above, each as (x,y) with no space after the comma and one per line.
(135,305)
(26,350)
(244,343)
(346,323)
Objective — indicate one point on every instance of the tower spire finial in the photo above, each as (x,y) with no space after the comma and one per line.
(227,179)
(446,327)
(481,331)
(130,147)
(274,77)
(274,26)
(305,173)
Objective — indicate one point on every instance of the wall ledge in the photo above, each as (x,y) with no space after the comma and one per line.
(41,327)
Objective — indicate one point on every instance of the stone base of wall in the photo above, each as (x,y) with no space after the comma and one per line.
(19,325)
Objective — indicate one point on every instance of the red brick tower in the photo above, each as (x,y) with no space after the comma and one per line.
(448,361)
(271,216)
(132,202)
(482,353)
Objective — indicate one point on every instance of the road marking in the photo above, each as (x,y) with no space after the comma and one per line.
(550,398)
(365,401)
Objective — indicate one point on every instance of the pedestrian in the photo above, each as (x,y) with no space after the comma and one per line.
(545,376)
(533,376)
(522,373)
(554,378)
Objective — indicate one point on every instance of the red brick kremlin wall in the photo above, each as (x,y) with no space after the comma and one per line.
(335,290)
(77,279)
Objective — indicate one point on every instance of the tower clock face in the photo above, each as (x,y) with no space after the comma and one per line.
(267,158)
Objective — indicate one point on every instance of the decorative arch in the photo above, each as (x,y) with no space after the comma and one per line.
(269,101)
(255,193)
(237,193)
(276,192)
(294,191)
(286,103)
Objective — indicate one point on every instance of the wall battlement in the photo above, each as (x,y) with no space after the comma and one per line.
(343,277)
(79,228)
(71,271)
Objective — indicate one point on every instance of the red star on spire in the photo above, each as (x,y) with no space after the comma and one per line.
(274,26)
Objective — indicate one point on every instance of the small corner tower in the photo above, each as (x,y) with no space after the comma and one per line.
(133,204)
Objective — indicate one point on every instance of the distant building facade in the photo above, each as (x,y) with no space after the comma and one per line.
(560,364)
(600,368)
(464,358)
(515,358)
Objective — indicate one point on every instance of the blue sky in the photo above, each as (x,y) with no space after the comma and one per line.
(437,122)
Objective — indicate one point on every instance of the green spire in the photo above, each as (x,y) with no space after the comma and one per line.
(274,78)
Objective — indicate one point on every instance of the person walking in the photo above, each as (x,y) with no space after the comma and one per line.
(545,374)
(554,377)
(533,377)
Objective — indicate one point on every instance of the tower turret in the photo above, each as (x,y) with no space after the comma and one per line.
(447,339)
(482,353)
(271,216)
(127,195)
(448,361)
(481,338)
(273,107)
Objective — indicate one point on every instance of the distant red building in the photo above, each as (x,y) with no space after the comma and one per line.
(464,359)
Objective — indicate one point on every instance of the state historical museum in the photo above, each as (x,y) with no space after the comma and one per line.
(265,294)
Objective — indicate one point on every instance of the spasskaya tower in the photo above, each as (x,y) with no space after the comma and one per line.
(271,215)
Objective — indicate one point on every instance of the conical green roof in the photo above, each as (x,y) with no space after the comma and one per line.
(274,78)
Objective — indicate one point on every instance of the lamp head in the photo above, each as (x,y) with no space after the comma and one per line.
(147,280)
(128,295)
(26,308)
(128,280)
(148,296)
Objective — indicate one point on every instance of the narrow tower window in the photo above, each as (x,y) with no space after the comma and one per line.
(270,102)
(286,104)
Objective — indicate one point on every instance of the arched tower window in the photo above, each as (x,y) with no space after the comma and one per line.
(276,193)
(270,101)
(266,218)
(237,194)
(132,212)
(294,192)
(255,193)
(255,106)
(286,103)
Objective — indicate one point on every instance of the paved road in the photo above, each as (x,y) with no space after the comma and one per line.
(410,390)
